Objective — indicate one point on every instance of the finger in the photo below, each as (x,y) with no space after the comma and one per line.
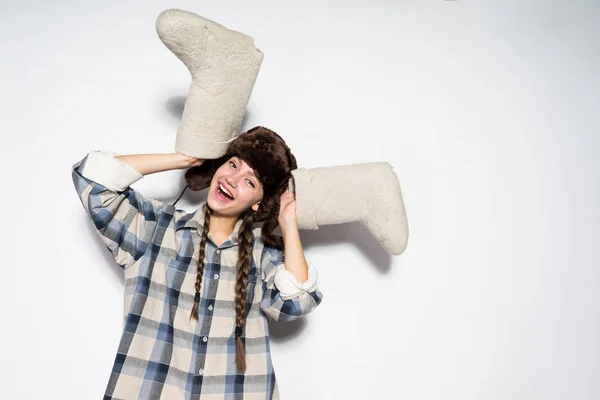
(289,199)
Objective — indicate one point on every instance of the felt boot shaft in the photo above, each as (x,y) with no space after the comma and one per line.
(368,193)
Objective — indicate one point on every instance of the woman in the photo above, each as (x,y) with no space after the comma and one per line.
(200,287)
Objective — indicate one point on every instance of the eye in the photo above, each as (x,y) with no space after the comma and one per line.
(232,163)
(251,183)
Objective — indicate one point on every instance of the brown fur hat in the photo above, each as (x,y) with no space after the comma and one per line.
(270,158)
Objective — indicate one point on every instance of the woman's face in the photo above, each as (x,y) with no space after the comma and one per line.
(234,188)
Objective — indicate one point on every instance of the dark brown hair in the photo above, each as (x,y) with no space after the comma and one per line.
(270,157)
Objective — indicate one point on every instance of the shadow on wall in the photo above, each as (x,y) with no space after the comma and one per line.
(350,233)
(175,106)
(283,331)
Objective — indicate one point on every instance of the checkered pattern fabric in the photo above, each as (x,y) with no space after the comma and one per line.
(162,353)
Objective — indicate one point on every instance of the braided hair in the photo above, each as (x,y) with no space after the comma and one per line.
(273,162)
(241,284)
(200,268)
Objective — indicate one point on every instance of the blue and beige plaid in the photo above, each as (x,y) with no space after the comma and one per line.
(162,353)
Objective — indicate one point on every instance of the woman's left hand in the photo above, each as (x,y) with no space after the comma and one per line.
(287,212)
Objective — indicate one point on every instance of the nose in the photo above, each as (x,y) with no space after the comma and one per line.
(230,182)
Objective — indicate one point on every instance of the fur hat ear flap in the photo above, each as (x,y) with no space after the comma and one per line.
(199,178)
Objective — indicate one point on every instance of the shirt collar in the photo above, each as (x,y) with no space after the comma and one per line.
(195,220)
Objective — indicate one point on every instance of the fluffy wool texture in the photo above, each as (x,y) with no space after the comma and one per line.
(368,193)
(224,65)
(273,162)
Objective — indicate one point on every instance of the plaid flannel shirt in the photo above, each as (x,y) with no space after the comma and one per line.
(162,353)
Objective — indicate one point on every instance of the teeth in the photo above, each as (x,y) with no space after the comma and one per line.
(225,190)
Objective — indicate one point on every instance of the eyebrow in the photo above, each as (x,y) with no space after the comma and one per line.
(254,174)
(251,170)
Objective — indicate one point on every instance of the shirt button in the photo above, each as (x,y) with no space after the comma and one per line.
(216,276)
(204,339)
(210,307)
(218,251)
(201,371)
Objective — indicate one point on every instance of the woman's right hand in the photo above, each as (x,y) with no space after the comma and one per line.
(188,161)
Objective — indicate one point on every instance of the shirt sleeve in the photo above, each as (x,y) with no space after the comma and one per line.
(125,220)
(284,297)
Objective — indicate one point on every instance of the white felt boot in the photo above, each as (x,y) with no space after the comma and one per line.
(368,193)
(224,65)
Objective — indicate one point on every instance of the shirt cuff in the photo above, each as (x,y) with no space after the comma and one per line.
(102,167)
(289,286)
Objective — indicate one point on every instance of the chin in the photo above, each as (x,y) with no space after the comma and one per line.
(214,204)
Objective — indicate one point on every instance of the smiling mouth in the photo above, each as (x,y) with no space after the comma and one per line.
(223,194)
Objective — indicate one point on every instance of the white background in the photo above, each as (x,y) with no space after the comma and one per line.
(486,109)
